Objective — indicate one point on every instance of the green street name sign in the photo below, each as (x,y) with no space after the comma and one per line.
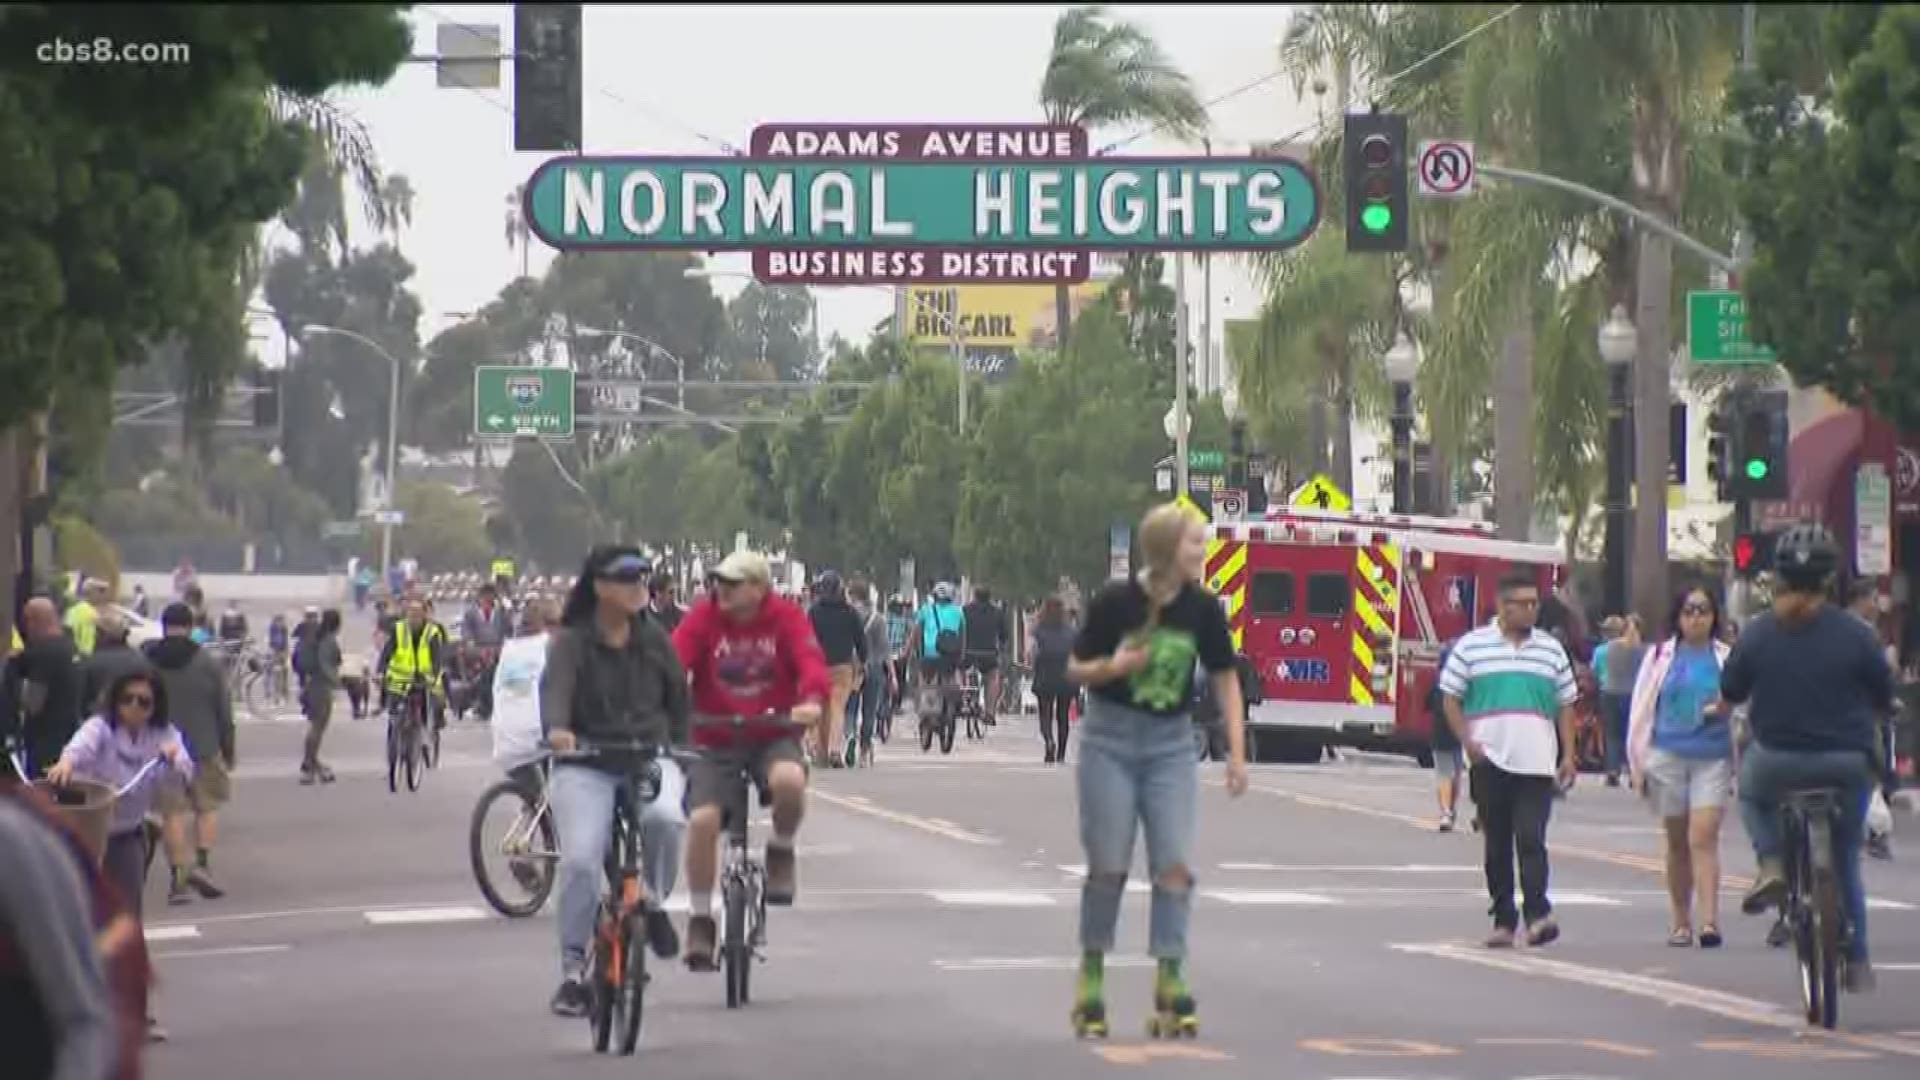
(517,401)
(1717,330)
(1206,460)
(744,204)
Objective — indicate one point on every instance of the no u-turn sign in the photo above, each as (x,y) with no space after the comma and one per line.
(1445,167)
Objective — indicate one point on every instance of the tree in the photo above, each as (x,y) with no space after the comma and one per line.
(132,191)
(1830,199)
(1102,74)
(444,530)
(771,334)
(553,523)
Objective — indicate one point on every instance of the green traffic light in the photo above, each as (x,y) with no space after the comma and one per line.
(1376,218)
(1757,469)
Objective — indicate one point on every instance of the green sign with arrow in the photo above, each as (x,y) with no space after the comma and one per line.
(510,402)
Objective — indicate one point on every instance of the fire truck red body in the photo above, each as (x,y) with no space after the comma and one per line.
(1344,614)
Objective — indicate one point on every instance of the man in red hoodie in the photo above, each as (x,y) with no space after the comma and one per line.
(752,656)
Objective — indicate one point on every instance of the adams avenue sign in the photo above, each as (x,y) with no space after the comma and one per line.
(746,204)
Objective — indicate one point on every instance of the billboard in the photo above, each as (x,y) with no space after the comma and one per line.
(992,317)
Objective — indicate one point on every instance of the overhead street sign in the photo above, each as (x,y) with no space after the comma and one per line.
(1445,168)
(510,402)
(1717,330)
(1025,208)
(1320,493)
(1206,460)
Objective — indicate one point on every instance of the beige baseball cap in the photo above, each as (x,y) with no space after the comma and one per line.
(744,566)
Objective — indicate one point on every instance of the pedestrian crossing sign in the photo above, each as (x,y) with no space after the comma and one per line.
(1320,493)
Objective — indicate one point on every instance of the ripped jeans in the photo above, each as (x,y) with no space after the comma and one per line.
(1136,771)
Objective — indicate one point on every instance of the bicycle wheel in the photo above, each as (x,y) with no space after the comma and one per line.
(415,747)
(433,747)
(530,844)
(393,754)
(735,955)
(600,980)
(949,725)
(928,725)
(632,991)
(1825,926)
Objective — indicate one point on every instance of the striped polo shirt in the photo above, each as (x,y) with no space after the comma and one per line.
(1511,696)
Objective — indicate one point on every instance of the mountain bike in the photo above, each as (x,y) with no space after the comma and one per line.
(408,721)
(617,968)
(1813,912)
(530,843)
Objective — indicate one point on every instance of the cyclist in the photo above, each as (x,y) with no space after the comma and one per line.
(611,676)
(985,634)
(279,646)
(749,654)
(483,629)
(414,648)
(1818,684)
(942,630)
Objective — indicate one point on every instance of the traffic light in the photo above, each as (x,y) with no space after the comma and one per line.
(546,78)
(1753,553)
(1375,151)
(1760,447)
(1719,451)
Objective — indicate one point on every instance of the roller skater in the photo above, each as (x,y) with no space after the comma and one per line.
(1136,770)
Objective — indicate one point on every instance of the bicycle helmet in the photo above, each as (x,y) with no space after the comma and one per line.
(1805,556)
(943,593)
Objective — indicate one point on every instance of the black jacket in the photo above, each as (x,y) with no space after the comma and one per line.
(634,694)
(843,637)
(44,682)
(197,698)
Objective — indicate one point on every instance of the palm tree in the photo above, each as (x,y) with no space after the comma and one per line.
(396,197)
(344,145)
(519,234)
(1104,73)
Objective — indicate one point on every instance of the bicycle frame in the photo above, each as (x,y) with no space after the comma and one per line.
(739,869)
(1813,910)
(626,894)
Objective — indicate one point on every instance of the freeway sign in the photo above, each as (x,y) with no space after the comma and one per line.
(1717,330)
(1206,460)
(517,401)
(746,204)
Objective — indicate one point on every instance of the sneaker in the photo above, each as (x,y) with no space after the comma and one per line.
(1543,931)
(1856,977)
(1446,822)
(1779,934)
(202,881)
(661,937)
(701,936)
(1769,888)
(177,891)
(1880,846)
(155,1033)
(325,774)
(572,1000)
(1501,938)
(307,776)
(780,875)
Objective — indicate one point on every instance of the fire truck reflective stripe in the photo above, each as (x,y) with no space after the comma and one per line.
(1362,655)
(1360,692)
(1227,576)
(1363,606)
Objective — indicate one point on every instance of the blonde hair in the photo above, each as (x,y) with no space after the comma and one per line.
(1160,537)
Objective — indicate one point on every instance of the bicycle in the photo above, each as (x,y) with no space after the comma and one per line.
(617,968)
(1812,910)
(941,719)
(973,702)
(743,879)
(407,736)
(531,844)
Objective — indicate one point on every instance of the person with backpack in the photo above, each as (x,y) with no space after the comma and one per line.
(1051,646)
(943,626)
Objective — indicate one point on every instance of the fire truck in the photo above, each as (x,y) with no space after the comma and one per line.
(1344,615)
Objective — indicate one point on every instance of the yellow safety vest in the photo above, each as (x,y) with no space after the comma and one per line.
(410,656)
(82,621)
(503,568)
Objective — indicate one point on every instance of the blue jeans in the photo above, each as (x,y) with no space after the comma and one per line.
(871,698)
(1136,771)
(1767,775)
(1615,712)
(583,813)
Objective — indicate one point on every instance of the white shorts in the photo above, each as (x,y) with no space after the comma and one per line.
(1680,785)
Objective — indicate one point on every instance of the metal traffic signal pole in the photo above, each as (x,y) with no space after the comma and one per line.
(1738,589)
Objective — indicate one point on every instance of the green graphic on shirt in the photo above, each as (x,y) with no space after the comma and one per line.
(1162,685)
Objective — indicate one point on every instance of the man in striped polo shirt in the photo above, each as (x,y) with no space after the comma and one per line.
(1506,686)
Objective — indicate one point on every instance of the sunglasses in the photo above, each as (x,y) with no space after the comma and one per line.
(626,568)
(1696,609)
(138,701)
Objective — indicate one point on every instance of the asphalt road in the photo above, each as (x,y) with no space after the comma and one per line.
(1335,935)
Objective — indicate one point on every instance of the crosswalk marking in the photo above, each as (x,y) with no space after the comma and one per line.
(992,898)
(418,916)
(1036,963)
(1266,896)
(172,933)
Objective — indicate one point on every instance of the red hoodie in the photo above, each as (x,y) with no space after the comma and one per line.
(768,664)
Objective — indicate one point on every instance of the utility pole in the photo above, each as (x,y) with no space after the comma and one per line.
(1738,596)
(959,352)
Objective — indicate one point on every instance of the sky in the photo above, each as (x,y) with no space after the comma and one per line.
(674,79)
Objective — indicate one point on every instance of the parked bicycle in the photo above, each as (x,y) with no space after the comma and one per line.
(529,843)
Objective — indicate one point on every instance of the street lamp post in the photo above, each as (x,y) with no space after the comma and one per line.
(393,433)
(1619,342)
(1402,363)
(679,365)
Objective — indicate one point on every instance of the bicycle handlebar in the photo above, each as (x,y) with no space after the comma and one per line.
(737,720)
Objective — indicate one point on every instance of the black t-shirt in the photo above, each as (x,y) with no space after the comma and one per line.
(1192,625)
(983,627)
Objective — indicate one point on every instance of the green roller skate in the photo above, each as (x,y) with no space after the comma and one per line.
(1090,1005)
(1173,1009)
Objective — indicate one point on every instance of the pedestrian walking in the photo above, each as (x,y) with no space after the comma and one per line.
(323,681)
(1508,687)
(199,705)
(1449,762)
(1051,646)
(1681,755)
(1137,770)
(1616,664)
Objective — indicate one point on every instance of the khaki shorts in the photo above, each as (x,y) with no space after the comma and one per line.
(710,778)
(1679,786)
(210,790)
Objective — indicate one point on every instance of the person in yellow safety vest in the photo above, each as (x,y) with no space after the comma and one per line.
(83,617)
(501,572)
(416,646)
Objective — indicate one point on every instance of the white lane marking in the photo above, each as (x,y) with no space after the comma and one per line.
(1413,868)
(992,898)
(861,805)
(300,913)
(417,916)
(1134,884)
(231,950)
(172,933)
(1036,963)
(1579,900)
(1896,967)
(1266,896)
(1666,991)
(1875,903)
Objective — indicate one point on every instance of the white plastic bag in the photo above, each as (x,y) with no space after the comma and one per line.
(1879,815)
(516,701)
